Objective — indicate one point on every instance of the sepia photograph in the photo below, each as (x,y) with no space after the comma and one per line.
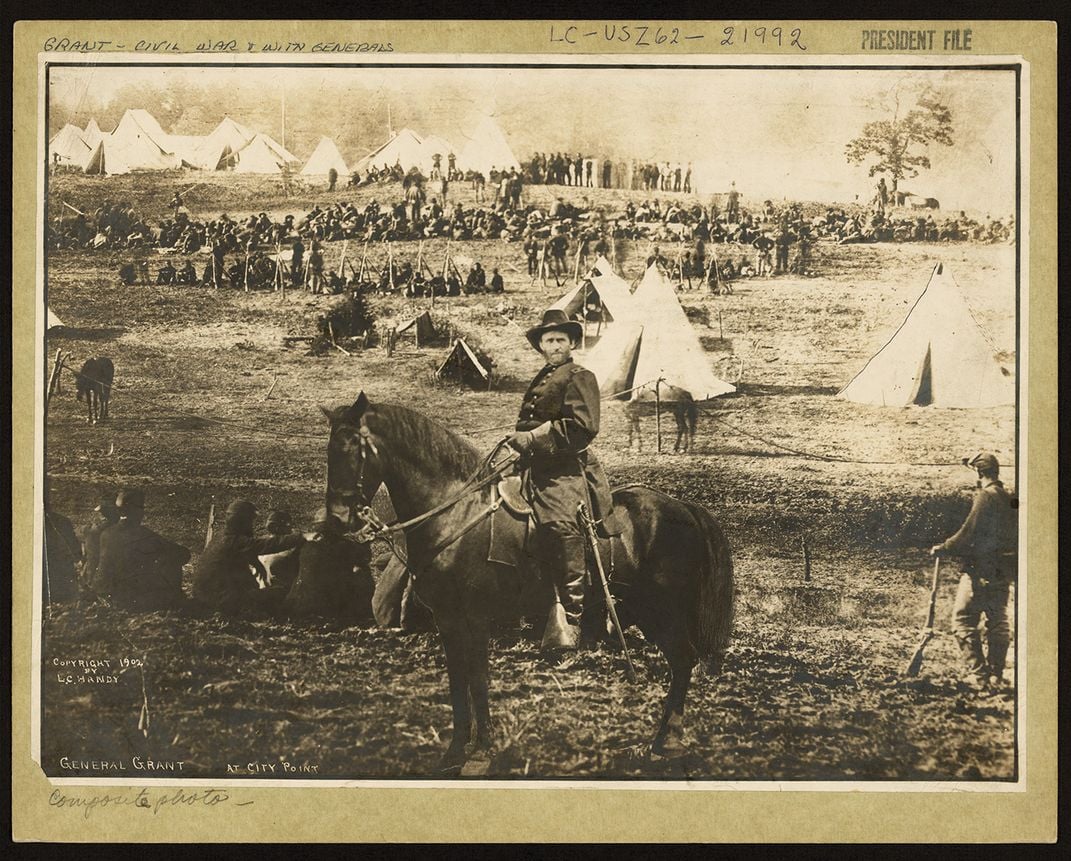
(531,420)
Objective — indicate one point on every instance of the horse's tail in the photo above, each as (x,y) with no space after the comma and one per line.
(712,613)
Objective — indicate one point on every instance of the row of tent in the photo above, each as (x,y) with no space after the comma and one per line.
(139,143)
(938,356)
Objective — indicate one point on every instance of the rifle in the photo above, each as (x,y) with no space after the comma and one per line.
(915,664)
(589,529)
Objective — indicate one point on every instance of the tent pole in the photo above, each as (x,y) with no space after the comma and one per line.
(584,318)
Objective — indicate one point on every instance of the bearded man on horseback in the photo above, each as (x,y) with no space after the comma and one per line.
(558,421)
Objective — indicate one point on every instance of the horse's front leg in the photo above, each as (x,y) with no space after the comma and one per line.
(455,644)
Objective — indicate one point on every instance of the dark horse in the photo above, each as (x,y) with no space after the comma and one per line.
(672,563)
(95,384)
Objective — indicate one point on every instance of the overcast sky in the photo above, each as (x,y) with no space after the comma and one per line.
(776,132)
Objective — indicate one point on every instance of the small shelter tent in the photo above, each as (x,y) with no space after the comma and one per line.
(421,327)
(487,148)
(655,341)
(938,357)
(68,148)
(262,155)
(405,148)
(323,158)
(465,365)
(52,322)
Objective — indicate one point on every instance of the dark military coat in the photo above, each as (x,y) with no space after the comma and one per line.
(140,569)
(223,579)
(561,409)
(334,581)
(987,540)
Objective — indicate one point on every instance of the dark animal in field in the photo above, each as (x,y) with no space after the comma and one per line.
(672,568)
(686,413)
(95,385)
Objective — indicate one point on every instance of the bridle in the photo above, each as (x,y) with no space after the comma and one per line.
(375,529)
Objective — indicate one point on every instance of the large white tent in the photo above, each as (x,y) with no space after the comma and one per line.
(68,148)
(323,158)
(431,146)
(487,148)
(263,155)
(405,148)
(138,143)
(654,341)
(938,356)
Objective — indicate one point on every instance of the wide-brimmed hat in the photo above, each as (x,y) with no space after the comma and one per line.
(983,461)
(554,319)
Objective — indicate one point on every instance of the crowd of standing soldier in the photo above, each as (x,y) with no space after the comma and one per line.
(587,171)
(280,572)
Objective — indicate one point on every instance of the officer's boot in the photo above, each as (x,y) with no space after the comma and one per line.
(563,626)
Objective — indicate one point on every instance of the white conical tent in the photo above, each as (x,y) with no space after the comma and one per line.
(92,133)
(323,158)
(651,338)
(262,155)
(670,348)
(607,289)
(406,148)
(487,148)
(937,357)
(68,148)
(52,322)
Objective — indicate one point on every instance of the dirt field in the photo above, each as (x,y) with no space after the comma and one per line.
(812,686)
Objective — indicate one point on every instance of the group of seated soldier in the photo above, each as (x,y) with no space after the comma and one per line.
(281,572)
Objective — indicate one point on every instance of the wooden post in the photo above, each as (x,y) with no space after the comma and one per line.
(342,259)
(721,331)
(806,559)
(53,379)
(658,415)
(390,264)
(246,269)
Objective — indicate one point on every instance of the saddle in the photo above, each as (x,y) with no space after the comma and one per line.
(509,489)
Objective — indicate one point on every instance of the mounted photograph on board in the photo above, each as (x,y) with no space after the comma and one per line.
(532,421)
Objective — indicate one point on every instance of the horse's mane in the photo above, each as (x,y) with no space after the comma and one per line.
(434,446)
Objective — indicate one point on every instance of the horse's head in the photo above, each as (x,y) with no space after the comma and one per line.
(353,468)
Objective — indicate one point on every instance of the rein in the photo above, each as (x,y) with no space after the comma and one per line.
(377,529)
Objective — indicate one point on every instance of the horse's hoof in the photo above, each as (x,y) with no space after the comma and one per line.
(452,763)
(668,748)
(477,765)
